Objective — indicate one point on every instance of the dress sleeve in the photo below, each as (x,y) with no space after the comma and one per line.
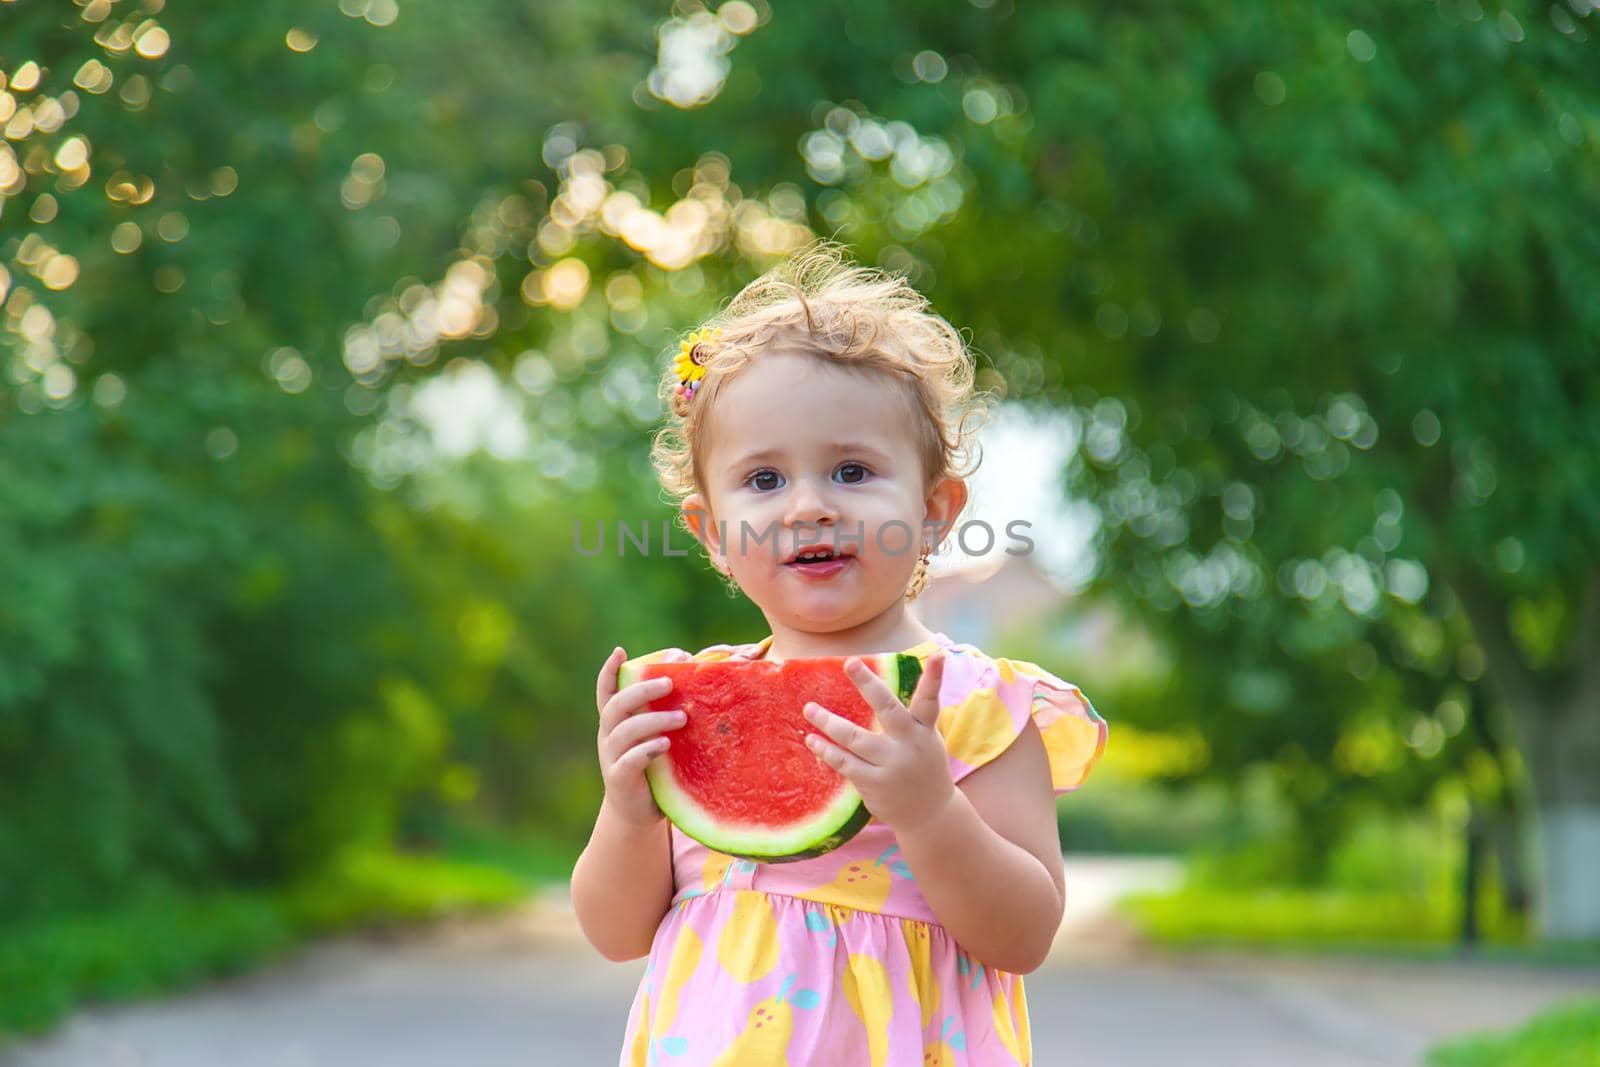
(984,704)
(709,654)
(665,655)
(712,653)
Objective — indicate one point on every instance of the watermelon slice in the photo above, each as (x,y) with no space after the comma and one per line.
(738,777)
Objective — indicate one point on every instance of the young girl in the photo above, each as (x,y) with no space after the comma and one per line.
(828,407)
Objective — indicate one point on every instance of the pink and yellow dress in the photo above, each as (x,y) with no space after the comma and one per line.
(838,961)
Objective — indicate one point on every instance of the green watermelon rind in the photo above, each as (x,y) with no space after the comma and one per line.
(833,826)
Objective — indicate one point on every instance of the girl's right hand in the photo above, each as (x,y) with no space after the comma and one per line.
(630,738)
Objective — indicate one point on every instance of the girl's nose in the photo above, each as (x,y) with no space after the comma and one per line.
(809,504)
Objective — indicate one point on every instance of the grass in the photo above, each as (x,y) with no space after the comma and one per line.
(1391,887)
(1291,918)
(1340,921)
(1565,1036)
(165,938)
(157,941)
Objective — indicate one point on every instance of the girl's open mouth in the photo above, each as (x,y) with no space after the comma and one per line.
(818,563)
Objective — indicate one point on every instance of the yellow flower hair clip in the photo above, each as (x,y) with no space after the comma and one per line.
(694,353)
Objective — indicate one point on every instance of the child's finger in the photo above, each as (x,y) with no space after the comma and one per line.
(605,685)
(924,705)
(876,692)
(868,746)
(644,752)
(851,766)
(632,699)
(644,727)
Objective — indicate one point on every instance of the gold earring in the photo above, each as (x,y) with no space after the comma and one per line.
(919,577)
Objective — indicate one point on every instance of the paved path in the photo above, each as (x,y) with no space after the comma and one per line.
(525,989)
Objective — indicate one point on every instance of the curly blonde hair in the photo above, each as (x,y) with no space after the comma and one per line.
(819,303)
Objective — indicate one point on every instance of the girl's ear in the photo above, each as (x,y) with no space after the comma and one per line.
(704,527)
(944,505)
(701,522)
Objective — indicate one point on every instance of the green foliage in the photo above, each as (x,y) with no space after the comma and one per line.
(1564,1036)
(109,750)
(1125,817)
(157,940)
(379,888)
(220,655)
(533,854)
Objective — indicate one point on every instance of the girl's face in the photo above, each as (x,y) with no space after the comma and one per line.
(806,453)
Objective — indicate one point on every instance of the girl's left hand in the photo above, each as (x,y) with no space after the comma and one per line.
(902,770)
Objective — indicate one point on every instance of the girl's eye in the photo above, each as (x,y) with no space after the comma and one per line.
(852,467)
(758,475)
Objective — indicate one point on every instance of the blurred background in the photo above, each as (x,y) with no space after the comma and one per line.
(326,326)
